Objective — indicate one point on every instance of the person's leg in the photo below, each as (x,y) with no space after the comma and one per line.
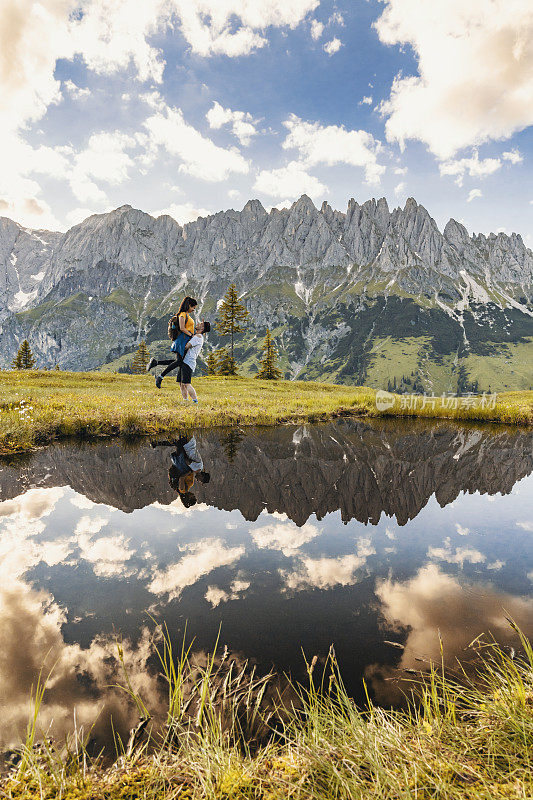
(183,388)
(171,365)
(191,390)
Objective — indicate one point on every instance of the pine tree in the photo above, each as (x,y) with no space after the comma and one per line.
(212,362)
(231,441)
(269,370)
(226,362)
(232,313)
(140,359)
(24,358)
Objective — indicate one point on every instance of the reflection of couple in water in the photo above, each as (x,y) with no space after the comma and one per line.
(187,340)
(186,468)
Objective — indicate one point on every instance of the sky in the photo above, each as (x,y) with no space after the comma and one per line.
(189,107)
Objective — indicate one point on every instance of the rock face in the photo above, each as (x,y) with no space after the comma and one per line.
(336,287)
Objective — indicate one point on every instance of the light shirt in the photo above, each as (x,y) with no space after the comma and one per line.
(196,343)
(191,449)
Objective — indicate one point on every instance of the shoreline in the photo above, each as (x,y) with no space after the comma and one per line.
(39,407)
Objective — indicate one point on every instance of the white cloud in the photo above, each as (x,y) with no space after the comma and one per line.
(182,212)
(475,71)
(103,159)
(333,144)
(324,573)
(284,535)
(399,189)
(234,194)
(241,122)
(212,26)
(460,555)
(317,29)
(109,36)
(200,156)
(366,101)
(526,525)
(461,530)
(32,505)
(514,156)
(400,171)
(215,595)
(88,526)
(336,19)
(76,216)
(292,180)
(79,500)
(75,91)
(107,554)
(333,46)
(473,193)
(472,166)
(202,558)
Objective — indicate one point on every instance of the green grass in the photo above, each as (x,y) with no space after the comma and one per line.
(37,407)
(228,735)
(40,406)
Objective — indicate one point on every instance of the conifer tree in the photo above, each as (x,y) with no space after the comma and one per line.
(212,362)
(24,358)
(140,359)
(232,313)
(269,370)
(226,362)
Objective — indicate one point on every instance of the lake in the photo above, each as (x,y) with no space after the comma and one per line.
(353,534)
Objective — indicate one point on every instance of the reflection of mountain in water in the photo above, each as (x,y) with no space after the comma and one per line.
(390,467)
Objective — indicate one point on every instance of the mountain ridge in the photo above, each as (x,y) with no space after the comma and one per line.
(124,270)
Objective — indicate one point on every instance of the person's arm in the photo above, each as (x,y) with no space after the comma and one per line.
(182,320)
(191,342)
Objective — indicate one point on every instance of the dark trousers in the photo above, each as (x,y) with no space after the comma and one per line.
(171,364)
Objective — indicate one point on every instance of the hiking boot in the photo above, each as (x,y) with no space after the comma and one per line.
(151,364)
(158,381)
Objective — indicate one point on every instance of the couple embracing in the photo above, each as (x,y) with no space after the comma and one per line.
(187,341)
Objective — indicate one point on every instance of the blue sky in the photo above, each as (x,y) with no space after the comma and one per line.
(193,106)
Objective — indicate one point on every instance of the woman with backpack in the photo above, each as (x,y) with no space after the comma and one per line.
(180,329)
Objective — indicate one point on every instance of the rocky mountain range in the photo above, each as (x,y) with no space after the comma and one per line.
(373,295)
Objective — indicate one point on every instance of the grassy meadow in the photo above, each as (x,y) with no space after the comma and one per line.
(40,406)
(228,735)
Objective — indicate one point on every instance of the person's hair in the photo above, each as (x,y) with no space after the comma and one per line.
(204,477)
(207,326)
(188,499)
(187,303)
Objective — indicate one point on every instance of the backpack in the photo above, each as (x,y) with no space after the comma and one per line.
(173,327)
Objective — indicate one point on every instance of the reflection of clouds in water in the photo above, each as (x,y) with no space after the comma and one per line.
(460,555)
(283,535)
(460,530)
(80,501)
(87,526)
(326,572)
(432,601)
(177,508)
(33,505)
(215,595)
(30,638)
(108,554)
(202,558)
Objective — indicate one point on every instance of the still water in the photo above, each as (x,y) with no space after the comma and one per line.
(348,534)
